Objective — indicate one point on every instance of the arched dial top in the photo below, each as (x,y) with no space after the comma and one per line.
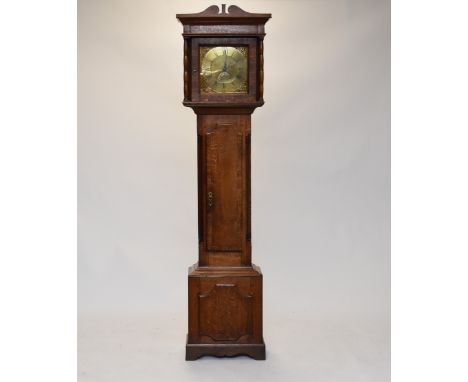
(224,69)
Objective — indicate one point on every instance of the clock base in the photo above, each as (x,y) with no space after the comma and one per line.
(195,351)
(225,312)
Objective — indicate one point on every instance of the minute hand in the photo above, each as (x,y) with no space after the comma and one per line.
(225,61)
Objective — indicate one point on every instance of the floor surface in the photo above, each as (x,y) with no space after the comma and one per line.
(151,348)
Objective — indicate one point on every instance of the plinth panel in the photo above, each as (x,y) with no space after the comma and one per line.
(225,312)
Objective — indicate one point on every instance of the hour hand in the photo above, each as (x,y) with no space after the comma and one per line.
(210,72)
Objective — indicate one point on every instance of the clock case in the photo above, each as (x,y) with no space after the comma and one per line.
(224,287)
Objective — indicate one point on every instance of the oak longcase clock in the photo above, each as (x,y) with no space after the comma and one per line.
(223,84)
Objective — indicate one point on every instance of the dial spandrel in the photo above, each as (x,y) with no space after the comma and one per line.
(223,69)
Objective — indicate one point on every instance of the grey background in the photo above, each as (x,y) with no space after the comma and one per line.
(320,193)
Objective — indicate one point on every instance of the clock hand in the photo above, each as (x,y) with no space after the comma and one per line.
(210,72)
(225,61)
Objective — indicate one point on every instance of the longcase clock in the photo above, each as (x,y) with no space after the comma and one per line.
(223,84)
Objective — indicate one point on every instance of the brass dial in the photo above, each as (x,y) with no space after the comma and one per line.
(223,69)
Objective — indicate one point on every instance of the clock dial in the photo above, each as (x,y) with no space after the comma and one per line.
(223,69)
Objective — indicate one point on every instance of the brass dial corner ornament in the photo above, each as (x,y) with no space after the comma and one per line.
(223,69)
